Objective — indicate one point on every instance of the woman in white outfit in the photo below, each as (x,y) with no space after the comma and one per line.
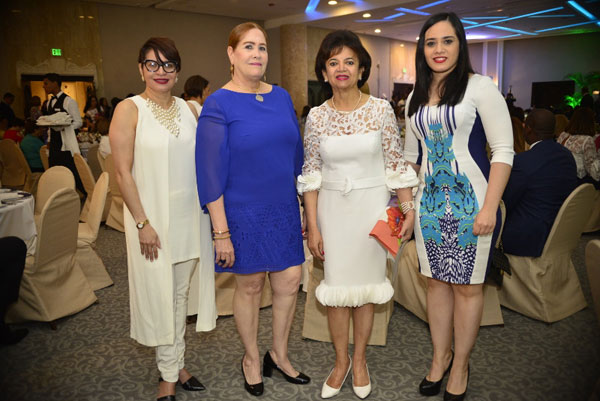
(197,89)
(153,137)
(353,159)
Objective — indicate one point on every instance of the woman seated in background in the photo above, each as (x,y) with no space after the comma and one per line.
(91,112)
(518,138)
(197,89)
(579,139)
(104,148)
(104,108)
(31,144)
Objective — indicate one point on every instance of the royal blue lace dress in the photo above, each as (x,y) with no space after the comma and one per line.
(250,152)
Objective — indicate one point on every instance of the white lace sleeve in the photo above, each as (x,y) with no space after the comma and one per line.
(398,174)
(310,180)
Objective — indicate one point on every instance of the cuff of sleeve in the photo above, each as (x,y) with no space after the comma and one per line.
(503,157)
(307,183)
(402,177)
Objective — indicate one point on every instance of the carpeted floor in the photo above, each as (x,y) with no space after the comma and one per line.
(91,357)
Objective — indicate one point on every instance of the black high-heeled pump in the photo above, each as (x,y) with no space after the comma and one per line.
(429,388)
(269,365)
(254,389)
(458,397)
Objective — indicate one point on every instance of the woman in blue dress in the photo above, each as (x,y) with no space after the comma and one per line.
(248,153)
(451,115)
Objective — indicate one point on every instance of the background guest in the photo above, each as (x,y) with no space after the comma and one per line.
(6,110)
(36,108)
(579,139)
(540,181)
(458,216)
(197,89)
(91,112)
(31,144)
(152,137)
(103,108)
(248,154)
(102,126)
(16,131)
(13,251)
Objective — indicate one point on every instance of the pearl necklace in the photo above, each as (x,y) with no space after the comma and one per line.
(355,106)
(168,118)
(258,96)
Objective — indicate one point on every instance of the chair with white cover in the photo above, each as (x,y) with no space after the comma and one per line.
(53,285)
(44,157)
(315,324)
(115,214)
(16,172)
(88,180)
(93,162)
(592,264)
(410,286)
(593,223)
(53,179)
(86,255)
(546,288)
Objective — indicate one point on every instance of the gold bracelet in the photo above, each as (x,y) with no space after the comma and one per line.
(221,232)
(224,237)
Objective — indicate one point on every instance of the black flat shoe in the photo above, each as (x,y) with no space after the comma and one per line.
(192,384)
(429,388)
(254,389)
(167,398)
(269,365)
(457,397)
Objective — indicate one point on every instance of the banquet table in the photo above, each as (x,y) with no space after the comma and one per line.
(16,217)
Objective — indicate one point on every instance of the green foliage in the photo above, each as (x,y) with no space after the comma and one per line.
(574,100)
(591,80)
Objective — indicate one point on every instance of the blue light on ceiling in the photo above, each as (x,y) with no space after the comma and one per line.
(408,10)
(502,28)
(389,17)
(486,17)
(509,36)
(553,16)
(435,3)
(312,6)
(582,10)
(566,26)
(517,17)
(464,21)
(371,20)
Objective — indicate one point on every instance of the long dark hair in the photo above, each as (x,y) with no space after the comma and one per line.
(454,85)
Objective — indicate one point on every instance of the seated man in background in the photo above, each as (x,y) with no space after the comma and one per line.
(31,144)
(540,181)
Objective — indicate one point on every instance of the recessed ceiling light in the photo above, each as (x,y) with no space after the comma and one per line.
(401,44)
(377,30)
(366,15)
(82,16)
(332,2)
(417,38)
(90,17)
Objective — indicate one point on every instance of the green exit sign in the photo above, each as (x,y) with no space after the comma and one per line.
(56,52)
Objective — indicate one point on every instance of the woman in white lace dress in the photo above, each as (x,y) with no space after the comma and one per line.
(352,160)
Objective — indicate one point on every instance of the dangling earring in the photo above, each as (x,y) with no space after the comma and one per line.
(231,69)
(360,77)
(142,76)
(325,79)
(176,78)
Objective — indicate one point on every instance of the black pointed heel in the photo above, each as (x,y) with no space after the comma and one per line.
(429,388)
(269,365)
(458,397)
(254,389)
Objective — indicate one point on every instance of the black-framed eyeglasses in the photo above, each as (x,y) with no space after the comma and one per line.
(153,65)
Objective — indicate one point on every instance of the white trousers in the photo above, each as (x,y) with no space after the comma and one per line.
(170,358)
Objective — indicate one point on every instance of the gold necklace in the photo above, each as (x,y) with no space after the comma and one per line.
(258,96)
(168,118)
(355,106)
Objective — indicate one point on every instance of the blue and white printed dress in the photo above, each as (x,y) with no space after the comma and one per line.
(449,143)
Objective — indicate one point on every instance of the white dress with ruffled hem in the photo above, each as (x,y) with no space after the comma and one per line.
(354,160)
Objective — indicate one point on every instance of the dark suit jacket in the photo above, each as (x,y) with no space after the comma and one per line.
(540,181)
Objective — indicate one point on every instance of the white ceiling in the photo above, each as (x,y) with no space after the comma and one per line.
(483,19)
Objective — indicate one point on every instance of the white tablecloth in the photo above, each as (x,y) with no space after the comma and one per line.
(16,217)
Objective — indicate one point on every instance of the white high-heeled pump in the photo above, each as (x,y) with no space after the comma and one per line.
(362,392)
(327,391)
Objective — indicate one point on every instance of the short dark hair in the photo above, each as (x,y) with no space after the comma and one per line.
(54,77)
(8,95)
(164,45)
(194,86)
(454,85)
(582,122)
(331,45)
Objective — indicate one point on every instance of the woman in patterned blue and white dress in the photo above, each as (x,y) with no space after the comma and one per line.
(452,113)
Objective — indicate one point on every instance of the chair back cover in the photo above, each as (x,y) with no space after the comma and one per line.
(592,263)
(115,214)
(44,157)
(14,174)
(94,216)
(594,221)
(88,180)
(93,162)
(53,179)
(570,221)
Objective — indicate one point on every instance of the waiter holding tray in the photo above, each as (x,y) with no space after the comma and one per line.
(63,138)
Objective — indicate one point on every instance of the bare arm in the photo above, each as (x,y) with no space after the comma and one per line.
(225,255)
(315,240)
(485,221)
(122,140)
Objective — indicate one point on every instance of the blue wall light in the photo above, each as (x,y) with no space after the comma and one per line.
(312,6)
(435,3)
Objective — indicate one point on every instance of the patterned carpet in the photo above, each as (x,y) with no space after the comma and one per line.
(91,357)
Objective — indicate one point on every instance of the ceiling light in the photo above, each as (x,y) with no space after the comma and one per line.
(401,44)
(332,2)
(582,10)
(377,30)
(565,26)
(517,17)
(82,16)
(417,38)
(366,15)
(393,16)
(509,36)
(90,17)
(435,3)
(596,93)
(408,10)
(312,5)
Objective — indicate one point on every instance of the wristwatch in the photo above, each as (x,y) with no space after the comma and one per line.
(141,224)
(407,206)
